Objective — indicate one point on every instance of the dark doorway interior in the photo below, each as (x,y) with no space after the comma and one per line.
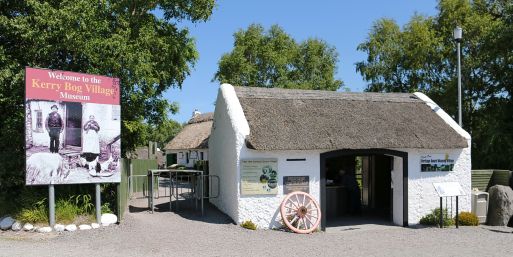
(73,124)
(362,192)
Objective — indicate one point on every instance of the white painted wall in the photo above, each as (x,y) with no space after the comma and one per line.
(227,137)
(264,210)
(422,197)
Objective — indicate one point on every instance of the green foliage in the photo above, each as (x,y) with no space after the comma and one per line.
(421,56)
(274,59)
(37,214)
(66,209)
(468,219)
(123,39)
(163,132)
(248,224)
(106,208)
(433,219)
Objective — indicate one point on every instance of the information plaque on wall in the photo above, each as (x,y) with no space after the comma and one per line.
(296,183)
(436,162)
(259,176)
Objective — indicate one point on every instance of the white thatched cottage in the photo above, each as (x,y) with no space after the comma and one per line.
(396,145)
(191,144)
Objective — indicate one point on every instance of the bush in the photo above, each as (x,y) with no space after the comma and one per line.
(468,219)
(433,219)
(67,210)
(37,214)
(248,224)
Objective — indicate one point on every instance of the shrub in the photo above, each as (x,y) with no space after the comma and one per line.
(37,214)
(433,219)
(468,219)
(248,224)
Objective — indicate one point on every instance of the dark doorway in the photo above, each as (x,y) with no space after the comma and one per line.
(171,159)
(356,185)
(73,124)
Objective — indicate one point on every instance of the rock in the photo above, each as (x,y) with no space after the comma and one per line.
(28,227)
(500,206)
(44,230)
(105,224)
(84,227)
(95,225)
(6,223)
(59,227)
(71,227)
(109,218)
(16,226)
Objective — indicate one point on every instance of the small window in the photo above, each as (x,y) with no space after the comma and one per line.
(116,112)
(39,120)
(201,156)
(186,157)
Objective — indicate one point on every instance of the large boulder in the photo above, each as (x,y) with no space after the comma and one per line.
(500,206)
(6,223)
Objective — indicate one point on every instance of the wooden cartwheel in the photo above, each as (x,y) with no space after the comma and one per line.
(300,212)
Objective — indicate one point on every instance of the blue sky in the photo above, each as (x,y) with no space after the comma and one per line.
(342,24)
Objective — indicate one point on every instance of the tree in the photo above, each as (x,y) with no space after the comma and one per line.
(123,39)
(164,132)
(422,57)
(274,59)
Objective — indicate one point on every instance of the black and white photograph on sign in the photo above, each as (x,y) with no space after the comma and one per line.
(72,142)
(436,162)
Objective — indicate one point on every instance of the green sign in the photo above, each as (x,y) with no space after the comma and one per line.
(259,177)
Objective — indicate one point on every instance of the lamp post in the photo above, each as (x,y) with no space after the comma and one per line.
(458,31)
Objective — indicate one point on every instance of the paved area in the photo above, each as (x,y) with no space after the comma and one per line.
(186,233)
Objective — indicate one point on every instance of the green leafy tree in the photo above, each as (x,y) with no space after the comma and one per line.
(421,56)
(163,132)
(123,39)
(273,59)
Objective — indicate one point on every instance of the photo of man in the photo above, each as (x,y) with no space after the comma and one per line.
(53,125)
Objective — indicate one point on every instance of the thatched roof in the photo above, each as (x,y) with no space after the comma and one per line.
(194,135)
(284,119)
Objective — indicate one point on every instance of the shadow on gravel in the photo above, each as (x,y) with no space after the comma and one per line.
(212,214)
(499,231)
(186,210)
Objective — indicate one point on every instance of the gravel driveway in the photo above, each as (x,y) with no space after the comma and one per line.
(188,234)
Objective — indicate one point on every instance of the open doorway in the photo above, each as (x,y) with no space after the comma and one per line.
(357,187)
(73,124)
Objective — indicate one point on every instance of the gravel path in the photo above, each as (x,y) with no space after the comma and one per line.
(187,234)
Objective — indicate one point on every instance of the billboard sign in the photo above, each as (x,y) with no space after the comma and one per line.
(72,128)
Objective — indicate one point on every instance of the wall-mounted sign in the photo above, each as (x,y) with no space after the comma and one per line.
(436,162)
(446,189)
(259,177)
(180,155)
(72,128)
(296,183)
